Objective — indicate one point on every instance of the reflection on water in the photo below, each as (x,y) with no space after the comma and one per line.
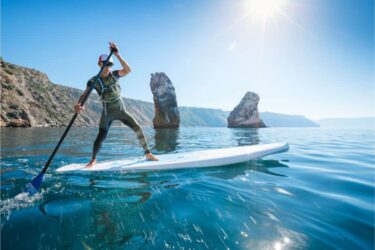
(265,166)
(166,140)
(245,136)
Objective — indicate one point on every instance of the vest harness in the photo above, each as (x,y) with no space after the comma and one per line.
(109,92)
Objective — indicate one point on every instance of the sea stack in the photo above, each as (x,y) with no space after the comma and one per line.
(166,110)
(245,114)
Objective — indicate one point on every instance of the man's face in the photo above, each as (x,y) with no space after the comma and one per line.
(106,69)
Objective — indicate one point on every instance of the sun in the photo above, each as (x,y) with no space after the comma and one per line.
(264,9)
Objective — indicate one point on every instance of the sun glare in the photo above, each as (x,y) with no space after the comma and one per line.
(264,9)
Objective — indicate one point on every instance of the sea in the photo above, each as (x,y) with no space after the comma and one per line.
(318,195)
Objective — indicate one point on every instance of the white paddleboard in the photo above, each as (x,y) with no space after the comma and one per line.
(195,159)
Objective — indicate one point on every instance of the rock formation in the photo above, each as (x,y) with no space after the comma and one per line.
(166,110)
(246,114)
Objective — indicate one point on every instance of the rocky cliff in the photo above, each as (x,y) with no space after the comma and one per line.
(166,110)
(30,99)
(245,114)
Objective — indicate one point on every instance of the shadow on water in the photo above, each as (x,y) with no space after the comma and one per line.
(166,140)
(264,166)
(234,171)
(97,204)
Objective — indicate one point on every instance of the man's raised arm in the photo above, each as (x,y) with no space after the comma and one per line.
(125,66)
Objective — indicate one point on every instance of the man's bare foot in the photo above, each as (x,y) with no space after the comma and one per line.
(151,157)
(91,163)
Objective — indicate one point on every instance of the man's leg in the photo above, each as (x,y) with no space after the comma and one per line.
(104,125)
(99,141)
(129,121)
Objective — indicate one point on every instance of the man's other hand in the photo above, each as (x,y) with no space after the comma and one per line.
(78,108)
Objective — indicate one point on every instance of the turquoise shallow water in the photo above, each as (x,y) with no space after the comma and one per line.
(318,195)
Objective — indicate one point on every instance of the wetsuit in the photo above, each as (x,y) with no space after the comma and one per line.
(109,90)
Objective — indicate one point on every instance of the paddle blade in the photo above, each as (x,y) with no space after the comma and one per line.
(34,186)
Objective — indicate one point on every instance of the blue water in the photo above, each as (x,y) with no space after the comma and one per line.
(318,195)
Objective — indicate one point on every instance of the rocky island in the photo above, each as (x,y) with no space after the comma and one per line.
(245,114)
(164,94)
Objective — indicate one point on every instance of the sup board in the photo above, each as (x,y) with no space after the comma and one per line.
(195,159)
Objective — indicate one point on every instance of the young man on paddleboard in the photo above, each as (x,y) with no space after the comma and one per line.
(109,90)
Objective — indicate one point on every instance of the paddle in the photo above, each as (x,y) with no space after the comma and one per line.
(34,186)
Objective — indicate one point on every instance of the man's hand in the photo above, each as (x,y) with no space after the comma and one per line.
(78,108)
(113,46)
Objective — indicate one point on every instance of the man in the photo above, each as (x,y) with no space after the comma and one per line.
(109,90)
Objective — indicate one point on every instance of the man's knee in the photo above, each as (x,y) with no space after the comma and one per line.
(132,124)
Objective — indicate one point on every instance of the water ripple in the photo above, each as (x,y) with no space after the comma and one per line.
(318,195)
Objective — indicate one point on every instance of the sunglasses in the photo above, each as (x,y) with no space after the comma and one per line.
(108,64)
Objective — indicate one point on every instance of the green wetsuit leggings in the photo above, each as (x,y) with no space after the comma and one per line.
(117,113)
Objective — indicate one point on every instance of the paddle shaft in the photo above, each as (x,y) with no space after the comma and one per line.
(75,115)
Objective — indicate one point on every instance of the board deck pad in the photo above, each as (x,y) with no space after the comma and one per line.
(194,159)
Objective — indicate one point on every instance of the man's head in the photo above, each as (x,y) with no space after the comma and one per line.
(102,59)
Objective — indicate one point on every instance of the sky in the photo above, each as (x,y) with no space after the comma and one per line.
(306,57)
